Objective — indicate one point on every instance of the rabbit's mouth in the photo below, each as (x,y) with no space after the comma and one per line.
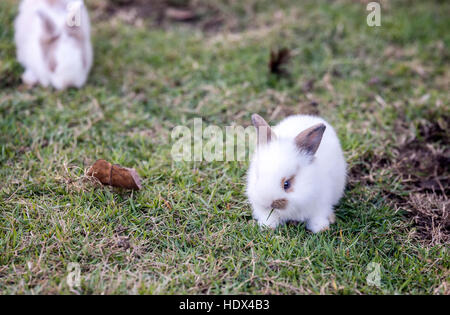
(279,204)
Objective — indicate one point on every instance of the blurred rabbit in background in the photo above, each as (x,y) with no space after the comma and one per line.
(53,42)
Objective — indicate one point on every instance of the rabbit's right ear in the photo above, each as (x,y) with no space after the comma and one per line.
(265,133)
(49,25)
(309,139)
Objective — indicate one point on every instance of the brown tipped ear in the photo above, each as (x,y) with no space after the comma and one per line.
(265,134)
(309,140)
(49,26)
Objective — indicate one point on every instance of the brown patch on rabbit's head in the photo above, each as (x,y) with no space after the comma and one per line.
(56,3)
(49,41)
(50,38)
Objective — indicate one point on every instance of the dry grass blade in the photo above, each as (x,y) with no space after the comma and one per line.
(431,217)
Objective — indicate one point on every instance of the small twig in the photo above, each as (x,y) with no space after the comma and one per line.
(270,214)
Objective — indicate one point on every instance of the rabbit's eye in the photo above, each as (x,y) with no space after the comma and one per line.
(287,183)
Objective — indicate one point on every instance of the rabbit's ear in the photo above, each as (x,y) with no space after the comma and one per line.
(265,134)
(309,140)
(49,25)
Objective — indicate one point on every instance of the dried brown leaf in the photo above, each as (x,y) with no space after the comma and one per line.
(278,61)
(115,175)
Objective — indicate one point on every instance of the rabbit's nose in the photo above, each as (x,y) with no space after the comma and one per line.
(279,204)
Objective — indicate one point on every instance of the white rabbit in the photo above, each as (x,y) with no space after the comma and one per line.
(51,46)
(298,170)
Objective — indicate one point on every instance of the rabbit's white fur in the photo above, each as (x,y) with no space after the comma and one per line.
(72,56)
(319,179)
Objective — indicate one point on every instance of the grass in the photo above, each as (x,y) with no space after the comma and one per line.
(190,230)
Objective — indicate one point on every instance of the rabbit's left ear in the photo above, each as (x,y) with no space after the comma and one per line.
(309,140)
(265,133)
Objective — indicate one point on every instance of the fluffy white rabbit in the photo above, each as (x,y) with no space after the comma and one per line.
(298,170)
(52,48)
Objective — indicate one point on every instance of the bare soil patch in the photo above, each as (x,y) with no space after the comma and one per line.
(423,164)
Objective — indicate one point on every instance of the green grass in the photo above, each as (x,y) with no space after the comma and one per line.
(190,229)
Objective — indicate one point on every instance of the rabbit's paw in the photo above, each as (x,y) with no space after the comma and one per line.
(318,224)
(29,78)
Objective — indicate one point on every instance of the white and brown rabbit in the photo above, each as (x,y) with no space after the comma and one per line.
(52,50)
(298,171)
